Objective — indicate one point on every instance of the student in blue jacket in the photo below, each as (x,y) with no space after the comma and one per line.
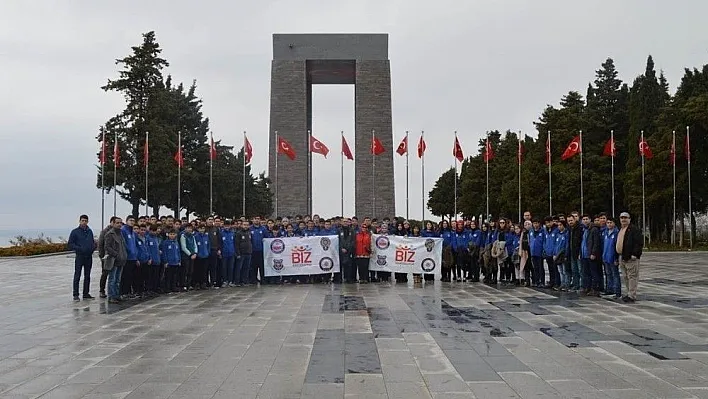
(82,243)
(536,237)
(560,251)
(549,231)
(201,263)
(143,258)
(128,281)
(475,240)
(171,259)
(228,254)
(461,252)
(155,271)
(610,260)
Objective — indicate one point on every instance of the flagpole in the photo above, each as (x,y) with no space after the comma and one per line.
(115,175)
(486,151)
(103,178)
(243,182)
(179,174)
(550,187)
(147,163)
(582,198)
(690,209)
(277,142)
(612,142)
(455,154)
(341,172)
(422,180)
(519,159)
(373,173)
(407,178)
(211,175)
(673,163)
(309,172)
(644,217)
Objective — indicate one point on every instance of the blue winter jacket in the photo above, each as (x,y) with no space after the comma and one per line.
(309,233)
(81,241)
(170,253)
(228,246)
(447,237)
(203,247)
(609,245)
(492,237)
(257,236)
(143,250)
(429,233)
(131,245)
(549,241)
(512,242)
(328,232)
(460,240)
(537,243)
(561,243)
(476,237)
(153,244)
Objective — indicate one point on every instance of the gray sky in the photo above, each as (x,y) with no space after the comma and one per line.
(468,66)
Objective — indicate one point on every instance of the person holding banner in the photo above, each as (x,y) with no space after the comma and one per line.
(346,254)
(363,252)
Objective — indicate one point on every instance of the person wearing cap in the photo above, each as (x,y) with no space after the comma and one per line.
(629,248)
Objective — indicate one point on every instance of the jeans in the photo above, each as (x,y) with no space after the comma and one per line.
(82,262)
(227,269)
(243,269)
(613,279)
(576,280)
(114,277)
(564,280)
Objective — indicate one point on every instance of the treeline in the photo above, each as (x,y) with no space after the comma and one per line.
(167,110)
(608,105)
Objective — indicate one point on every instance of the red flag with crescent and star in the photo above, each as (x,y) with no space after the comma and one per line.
(573,149)
(421,147)
(318,147)
(403,147)
(488,151)
(376,147)
(346,151)
(285,148)
(116,154)
(548,149)
(248,150)
(672,154)
(644,149)
(178,157)
(457,151)
(609,150)
(212,149)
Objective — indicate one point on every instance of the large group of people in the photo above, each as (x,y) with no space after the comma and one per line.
(149,256)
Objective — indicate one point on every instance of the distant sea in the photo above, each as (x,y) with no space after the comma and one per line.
(56,234)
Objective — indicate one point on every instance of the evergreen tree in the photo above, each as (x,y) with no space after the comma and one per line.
(441,200)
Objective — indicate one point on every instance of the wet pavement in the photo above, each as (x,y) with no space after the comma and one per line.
(451,340)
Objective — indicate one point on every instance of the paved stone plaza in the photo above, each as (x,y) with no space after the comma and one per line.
(452,340)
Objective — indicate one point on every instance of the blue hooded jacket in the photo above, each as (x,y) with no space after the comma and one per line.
(447,237)
(203,247)
(170,253)
(429,233)
(492,236)
(328,232)
(537,242)
(131,245)
(512,242)
(460,240)
(81,241)
(257,236)
(309,233)
(153,244)
(228,246)
(143,250)
(609,244)
(561,243)
(476,237)
(549,241)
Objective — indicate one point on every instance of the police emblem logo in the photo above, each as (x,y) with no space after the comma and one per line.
(382,242)
(428,265)
(381,260)
(277,246)
(326,264)
(325,243)
(429,244)
(278,265)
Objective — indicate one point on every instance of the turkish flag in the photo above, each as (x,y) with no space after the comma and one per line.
(178,157)
(247,149)
(403,147)
(548,150)
(687,148)
(573,149)
(376,147)
(457,151)
(421,147)
(488,151)
(285,148)
(146,152)
(520,152)
(609,150)
(102,158)
(116,154)
(346,151)
(644,149)
(318,147)
(212,150)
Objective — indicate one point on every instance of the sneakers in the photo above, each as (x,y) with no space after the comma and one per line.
(88,296)
(76,298)
(102,295)
(628,299)
(114,300)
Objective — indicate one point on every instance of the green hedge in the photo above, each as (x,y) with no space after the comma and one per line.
(29,250)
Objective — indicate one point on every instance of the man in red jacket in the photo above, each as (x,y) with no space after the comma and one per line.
(362,252)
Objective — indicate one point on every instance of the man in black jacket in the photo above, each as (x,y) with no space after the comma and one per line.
(115,258)
(346,253)
(81,241)
(630,244)
(575,239)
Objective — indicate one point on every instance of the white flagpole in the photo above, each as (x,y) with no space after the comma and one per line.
(550,186)
(211,175)
(277,151)
(147,157)
(422,180)
(243,182)
(455,156)
(341,171)
(373,173)
(582,198)
(644,208)
(407,178)
(179,174)
(115,176)
(673,163)
(612,141)
(690,209)
(103,178)
(309,172)
(518,156)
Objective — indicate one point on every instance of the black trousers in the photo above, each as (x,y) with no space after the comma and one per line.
(474,267)
(83,263)
(201,266)
(188,271)
(171,278)
(154,277)
(362,265)
(104,279)
(127,277)
(257,268)
(348,268)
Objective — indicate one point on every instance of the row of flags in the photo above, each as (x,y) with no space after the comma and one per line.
(575,147)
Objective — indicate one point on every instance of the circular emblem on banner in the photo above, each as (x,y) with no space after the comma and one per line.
(429,244)
(277,246)
(325,243)
(428,265)
(382,243)
(326,264)
(278,265)
(381,260)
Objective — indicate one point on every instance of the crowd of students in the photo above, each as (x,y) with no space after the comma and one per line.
(149,256)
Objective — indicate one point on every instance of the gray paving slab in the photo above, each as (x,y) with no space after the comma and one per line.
(444,340)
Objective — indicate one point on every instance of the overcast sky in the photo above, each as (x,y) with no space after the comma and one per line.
(468,66)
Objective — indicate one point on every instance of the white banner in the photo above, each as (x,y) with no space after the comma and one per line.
(292,256)
(406,254)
